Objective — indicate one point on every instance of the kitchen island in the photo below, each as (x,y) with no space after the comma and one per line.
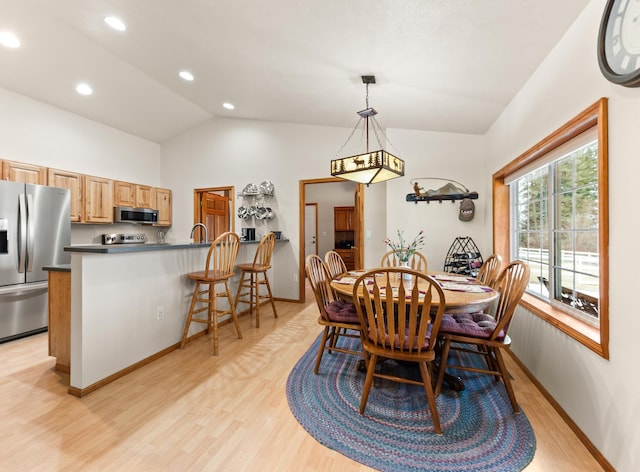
(128,306)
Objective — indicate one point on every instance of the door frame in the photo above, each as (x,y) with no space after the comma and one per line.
(358,208)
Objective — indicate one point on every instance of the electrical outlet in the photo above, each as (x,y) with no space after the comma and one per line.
(295,277)
(160,312)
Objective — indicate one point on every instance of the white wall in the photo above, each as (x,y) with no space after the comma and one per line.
(601,396)
(443,155)
(37,133)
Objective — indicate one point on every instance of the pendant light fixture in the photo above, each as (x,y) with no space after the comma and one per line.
(372,166)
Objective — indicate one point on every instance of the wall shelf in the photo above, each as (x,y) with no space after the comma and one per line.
(412,197)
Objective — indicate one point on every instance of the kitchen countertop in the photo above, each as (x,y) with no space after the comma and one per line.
(123,248)
(58,268)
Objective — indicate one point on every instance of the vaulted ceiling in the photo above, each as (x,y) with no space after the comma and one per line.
(440,65)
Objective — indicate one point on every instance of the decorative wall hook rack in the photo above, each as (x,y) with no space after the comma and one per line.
(451,190)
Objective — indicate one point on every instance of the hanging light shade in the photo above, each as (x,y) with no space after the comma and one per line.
(369,167)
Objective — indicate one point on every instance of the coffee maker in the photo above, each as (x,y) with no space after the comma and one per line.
(249,234)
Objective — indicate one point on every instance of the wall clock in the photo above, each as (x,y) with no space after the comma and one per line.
(619,42)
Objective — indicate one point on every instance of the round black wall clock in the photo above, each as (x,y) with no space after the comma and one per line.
(619,42)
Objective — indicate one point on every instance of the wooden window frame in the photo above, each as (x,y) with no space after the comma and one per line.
(596,339)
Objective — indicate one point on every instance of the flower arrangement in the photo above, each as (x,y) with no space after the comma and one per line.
(402,250)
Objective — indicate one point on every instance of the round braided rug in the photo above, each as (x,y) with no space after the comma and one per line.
(480,430)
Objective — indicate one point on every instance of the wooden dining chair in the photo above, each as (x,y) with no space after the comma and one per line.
(339,318)
(254,276)
(485,335)
(416,262)
(397,325)
(218,270)
(335,264)
(490,270)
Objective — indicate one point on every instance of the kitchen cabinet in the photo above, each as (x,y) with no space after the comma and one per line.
(132,195)
(344,234)
(145,197)
(97,200)
(22,172)
(348,256)
(163,205)
(343,219)
(124,194)
(60,318)
(73,182)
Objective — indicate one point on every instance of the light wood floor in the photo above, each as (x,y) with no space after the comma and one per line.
(192,411)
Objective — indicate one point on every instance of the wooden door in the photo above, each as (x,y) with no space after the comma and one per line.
(214,214)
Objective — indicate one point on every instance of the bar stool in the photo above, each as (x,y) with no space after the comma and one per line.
(218,270)
(250,279)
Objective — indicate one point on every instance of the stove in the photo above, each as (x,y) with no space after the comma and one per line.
(138,238)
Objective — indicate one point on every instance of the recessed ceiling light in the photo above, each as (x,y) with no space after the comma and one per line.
(116,23)
(84,89)
(228,106)
(186,75)
(9,40)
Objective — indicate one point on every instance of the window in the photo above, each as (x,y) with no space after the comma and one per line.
(555,200)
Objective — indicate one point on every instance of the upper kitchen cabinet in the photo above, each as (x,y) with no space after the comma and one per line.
(163,205)
(343,219)
(22,172)
(98,200)
(124,194)
(73,182)
(132,195)
(145,196)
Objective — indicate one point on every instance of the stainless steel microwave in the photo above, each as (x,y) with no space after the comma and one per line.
(145,216)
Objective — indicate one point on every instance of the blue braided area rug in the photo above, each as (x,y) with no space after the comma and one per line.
(480,430)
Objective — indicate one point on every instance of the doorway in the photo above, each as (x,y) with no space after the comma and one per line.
(214,207)
(358,205)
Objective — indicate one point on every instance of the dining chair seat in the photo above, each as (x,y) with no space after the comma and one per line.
(342,312)
(479,325)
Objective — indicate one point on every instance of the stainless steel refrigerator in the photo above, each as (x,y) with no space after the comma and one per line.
(34,229)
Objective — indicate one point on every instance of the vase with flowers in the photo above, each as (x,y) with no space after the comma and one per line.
(403,250)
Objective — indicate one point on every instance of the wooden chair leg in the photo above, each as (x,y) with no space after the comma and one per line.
(506,379)
(213,316)
(323,341)
(273,304)
(234,315)
(187,323)
(426,380)
(254,297)
(444,355)
(371,367)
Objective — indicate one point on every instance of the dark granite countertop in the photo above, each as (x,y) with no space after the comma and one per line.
(58,268)
(122,248)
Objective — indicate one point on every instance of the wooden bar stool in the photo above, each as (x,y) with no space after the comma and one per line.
(250,280)
(221,259)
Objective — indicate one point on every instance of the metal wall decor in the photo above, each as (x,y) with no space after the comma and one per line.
(451,191)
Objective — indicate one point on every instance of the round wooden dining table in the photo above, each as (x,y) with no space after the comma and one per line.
(462,294)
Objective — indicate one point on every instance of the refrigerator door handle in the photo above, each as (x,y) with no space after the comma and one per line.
(22,233)
(30,234)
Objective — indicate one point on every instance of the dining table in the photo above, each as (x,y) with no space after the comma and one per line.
(463,294)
